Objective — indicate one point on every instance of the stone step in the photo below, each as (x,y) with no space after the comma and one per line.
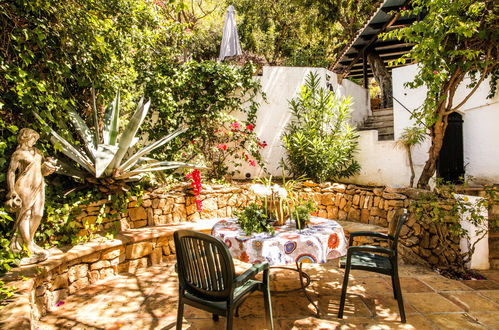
(378,113)
(387,119)
(382,109)
(377,124)
(386,137)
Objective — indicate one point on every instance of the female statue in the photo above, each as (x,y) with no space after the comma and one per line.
(26,195)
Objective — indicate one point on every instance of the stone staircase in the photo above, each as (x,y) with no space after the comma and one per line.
(382,121)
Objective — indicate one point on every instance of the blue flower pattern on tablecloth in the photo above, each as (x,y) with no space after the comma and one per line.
(288,245)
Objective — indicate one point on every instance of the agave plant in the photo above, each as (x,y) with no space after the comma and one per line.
(103,157)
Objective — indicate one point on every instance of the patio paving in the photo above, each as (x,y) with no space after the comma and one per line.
(148,300)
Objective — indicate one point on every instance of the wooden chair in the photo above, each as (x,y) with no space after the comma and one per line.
(207,279)
(375,259)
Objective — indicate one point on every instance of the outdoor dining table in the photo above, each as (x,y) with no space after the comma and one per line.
(320,241)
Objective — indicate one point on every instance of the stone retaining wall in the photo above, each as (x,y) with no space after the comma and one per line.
(422,241)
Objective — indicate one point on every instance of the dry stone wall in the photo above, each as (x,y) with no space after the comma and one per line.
(421,241)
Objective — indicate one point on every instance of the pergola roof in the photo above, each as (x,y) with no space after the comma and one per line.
(386,18)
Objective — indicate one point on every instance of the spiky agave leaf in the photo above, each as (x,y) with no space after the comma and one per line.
(68,149)
(104,156)
(144,151)
(127,136)
(84,132)
(111,121)
(96,118)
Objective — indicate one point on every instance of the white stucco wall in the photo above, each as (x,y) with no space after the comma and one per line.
(280,85)
(480,130)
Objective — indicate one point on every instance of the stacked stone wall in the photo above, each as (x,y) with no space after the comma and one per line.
(422,241)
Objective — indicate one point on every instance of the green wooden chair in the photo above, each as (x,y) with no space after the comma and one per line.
(208,281)
(375,259)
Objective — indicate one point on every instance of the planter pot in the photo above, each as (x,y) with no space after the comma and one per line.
(276,210)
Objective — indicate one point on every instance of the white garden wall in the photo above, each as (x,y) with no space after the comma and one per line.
(280,85)
(383,162)
(480,126)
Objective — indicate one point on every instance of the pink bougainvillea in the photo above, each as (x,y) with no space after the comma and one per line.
(195,176)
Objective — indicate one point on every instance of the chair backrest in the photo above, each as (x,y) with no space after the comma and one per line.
(204,264)
(396,226)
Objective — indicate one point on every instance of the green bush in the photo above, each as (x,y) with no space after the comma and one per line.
(206,96)
(319,141)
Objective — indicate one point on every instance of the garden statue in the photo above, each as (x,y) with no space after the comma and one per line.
(26,194)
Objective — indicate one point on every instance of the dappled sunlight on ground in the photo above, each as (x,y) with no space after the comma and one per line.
(148,300)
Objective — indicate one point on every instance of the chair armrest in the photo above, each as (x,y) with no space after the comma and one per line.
(368,248)
(367,234)
(250,273)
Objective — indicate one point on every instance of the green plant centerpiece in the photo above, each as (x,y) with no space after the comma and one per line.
(274,205)
(106,158)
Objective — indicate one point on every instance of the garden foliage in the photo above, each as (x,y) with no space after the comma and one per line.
(53,53)
(319,140)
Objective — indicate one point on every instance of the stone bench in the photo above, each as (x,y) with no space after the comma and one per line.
(42,286)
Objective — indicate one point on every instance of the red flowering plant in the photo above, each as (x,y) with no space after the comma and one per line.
(206,96)
(195,176)
(231,144)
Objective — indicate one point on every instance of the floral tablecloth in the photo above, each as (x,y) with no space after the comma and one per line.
(322,240)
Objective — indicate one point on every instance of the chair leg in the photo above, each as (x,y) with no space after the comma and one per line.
(398,293)
(215,317)
(344,290)
(230,318)
(393,287)
(180,314)
(267,301)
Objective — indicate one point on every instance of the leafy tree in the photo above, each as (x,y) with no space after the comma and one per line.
(319,141)
(454,41)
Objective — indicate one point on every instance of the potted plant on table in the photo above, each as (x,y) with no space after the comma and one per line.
(275,204)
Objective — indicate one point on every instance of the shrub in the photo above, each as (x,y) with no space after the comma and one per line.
(319,141)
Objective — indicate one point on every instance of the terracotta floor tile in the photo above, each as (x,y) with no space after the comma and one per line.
(354,306)
(386,307)
(415,271)
(482,284)
(440,283)
(455,321)
(309,323)
(471,301)
(413,322)
(430,303)
(413,285)
(491,294)
(489,319)
(369,287)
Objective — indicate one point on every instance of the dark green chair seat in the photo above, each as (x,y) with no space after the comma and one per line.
(375,259)
(369,262)
(208,281)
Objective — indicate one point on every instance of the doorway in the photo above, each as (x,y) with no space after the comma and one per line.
(450,165)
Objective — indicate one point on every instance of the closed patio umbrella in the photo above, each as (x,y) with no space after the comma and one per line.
(230,40)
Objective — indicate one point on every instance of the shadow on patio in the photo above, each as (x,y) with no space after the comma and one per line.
(148,300)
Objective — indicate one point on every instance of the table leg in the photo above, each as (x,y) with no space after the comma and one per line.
(304,283)
(304,287)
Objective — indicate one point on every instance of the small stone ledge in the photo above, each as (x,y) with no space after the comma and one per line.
(42,286)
